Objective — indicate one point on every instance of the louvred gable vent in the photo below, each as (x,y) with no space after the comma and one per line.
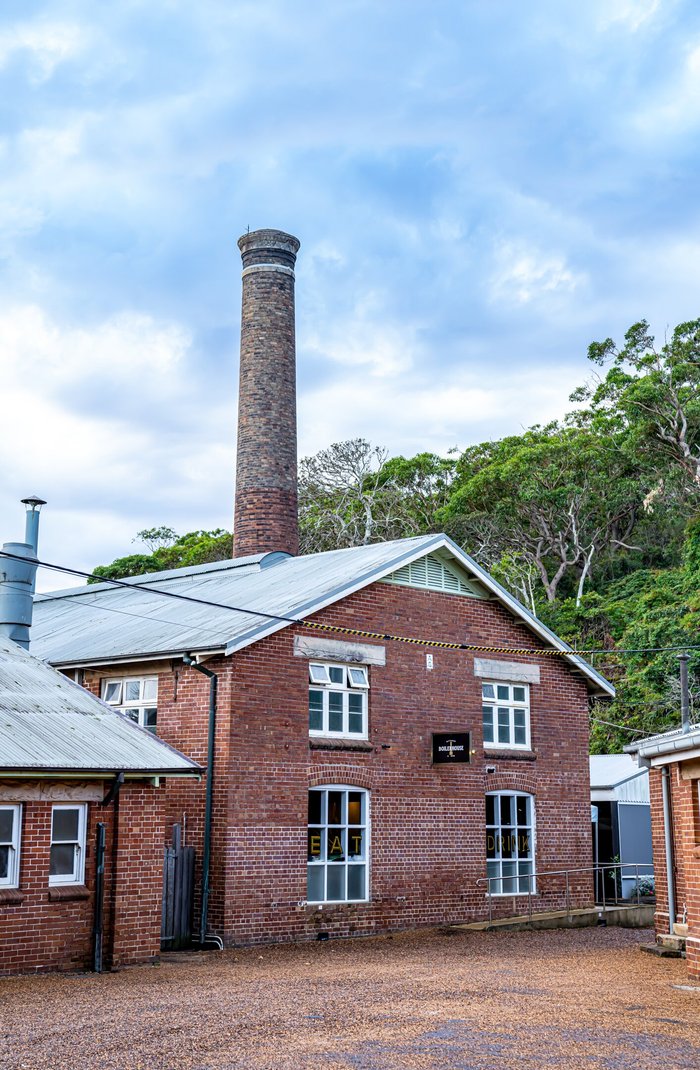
(433,575)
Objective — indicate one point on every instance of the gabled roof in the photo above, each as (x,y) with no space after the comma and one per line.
(50,725)
(102,623)
(611,770)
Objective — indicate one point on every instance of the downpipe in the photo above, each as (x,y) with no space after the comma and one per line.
(204,937)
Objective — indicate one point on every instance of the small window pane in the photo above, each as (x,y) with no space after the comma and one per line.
(318,674)
(523,845)
(150,690)
(336,882)
(355,815)
(519,736)
(7,820)
(355,723)
(133,715)
(65,825)
(487,691)
(150,715)
(132,690)
(315,844)
(113,691)
(62,861)
(315,807)
(503,691)
(506,809)
(314,884)
(518,694)
(335,711)
(490,810)
(358,677)
(522,809)
(335,807)
(356,702)
(316,710)
(356,882)
(488,723)
(356,843)
(336,845)
(337,674)
(4,863)
(503,726)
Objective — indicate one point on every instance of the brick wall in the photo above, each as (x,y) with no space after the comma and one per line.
(685,817)
(51,928)
(427,823)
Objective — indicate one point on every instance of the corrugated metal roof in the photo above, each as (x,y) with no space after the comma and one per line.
(621,775)
(100,623)
(48,723)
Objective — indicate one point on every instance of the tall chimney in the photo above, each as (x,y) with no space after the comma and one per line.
(266,464)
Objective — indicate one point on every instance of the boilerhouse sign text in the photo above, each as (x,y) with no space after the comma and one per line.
(451,747)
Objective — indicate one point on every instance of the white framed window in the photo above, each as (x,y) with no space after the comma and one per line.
(338,845)
(136,696)
(338,700)
(10,833)
(510,842)
(506,715)
(68,826)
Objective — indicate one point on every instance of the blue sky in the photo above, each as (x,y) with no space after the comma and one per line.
(480,190)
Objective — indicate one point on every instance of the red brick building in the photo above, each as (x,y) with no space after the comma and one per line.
(82,825)
(361,783)
(674,781)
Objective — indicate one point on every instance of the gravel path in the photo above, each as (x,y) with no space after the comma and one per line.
(585,998)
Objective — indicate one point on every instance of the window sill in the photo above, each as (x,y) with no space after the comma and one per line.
(339,743)
(10,896)
(67,892)
(506,754)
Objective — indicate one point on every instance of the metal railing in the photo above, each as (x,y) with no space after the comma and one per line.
(602,875)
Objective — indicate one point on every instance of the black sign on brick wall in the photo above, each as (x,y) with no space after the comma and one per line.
(451,747)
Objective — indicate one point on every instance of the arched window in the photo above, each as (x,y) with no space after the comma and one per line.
(337,845)
(510,842)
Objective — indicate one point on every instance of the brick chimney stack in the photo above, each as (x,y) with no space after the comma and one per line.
(266,464)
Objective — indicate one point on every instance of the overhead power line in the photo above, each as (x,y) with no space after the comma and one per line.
(339,628)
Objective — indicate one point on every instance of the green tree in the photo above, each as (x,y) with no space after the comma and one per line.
(653,394)
(556,499)
(195,548)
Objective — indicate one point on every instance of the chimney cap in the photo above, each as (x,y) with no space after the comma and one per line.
(269,239)
(33,502)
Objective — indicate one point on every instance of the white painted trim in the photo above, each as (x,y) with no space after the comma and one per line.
(507,670)
(277,268)
(338,650)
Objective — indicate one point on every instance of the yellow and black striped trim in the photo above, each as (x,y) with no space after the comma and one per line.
(436,644)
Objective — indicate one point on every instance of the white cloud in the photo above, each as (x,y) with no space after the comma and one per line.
(632,14)
(365,340)
(523,274)
(436,411)
(48,44)
(106,423)
(677,107)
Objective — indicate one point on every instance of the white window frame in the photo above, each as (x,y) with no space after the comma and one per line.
(504,712)
(355,681)
(77,876)
(520,881)
(114,694)
(11,880)
(348,861)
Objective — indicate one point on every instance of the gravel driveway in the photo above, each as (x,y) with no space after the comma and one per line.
(463,1001)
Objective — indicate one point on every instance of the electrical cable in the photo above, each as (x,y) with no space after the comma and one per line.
(337,628)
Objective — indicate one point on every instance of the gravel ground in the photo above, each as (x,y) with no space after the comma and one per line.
(585,998)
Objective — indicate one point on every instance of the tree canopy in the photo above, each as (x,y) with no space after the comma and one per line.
(593,522)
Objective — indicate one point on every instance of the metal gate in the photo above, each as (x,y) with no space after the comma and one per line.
(178,894)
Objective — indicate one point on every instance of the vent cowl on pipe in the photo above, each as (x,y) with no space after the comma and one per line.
(18,578)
